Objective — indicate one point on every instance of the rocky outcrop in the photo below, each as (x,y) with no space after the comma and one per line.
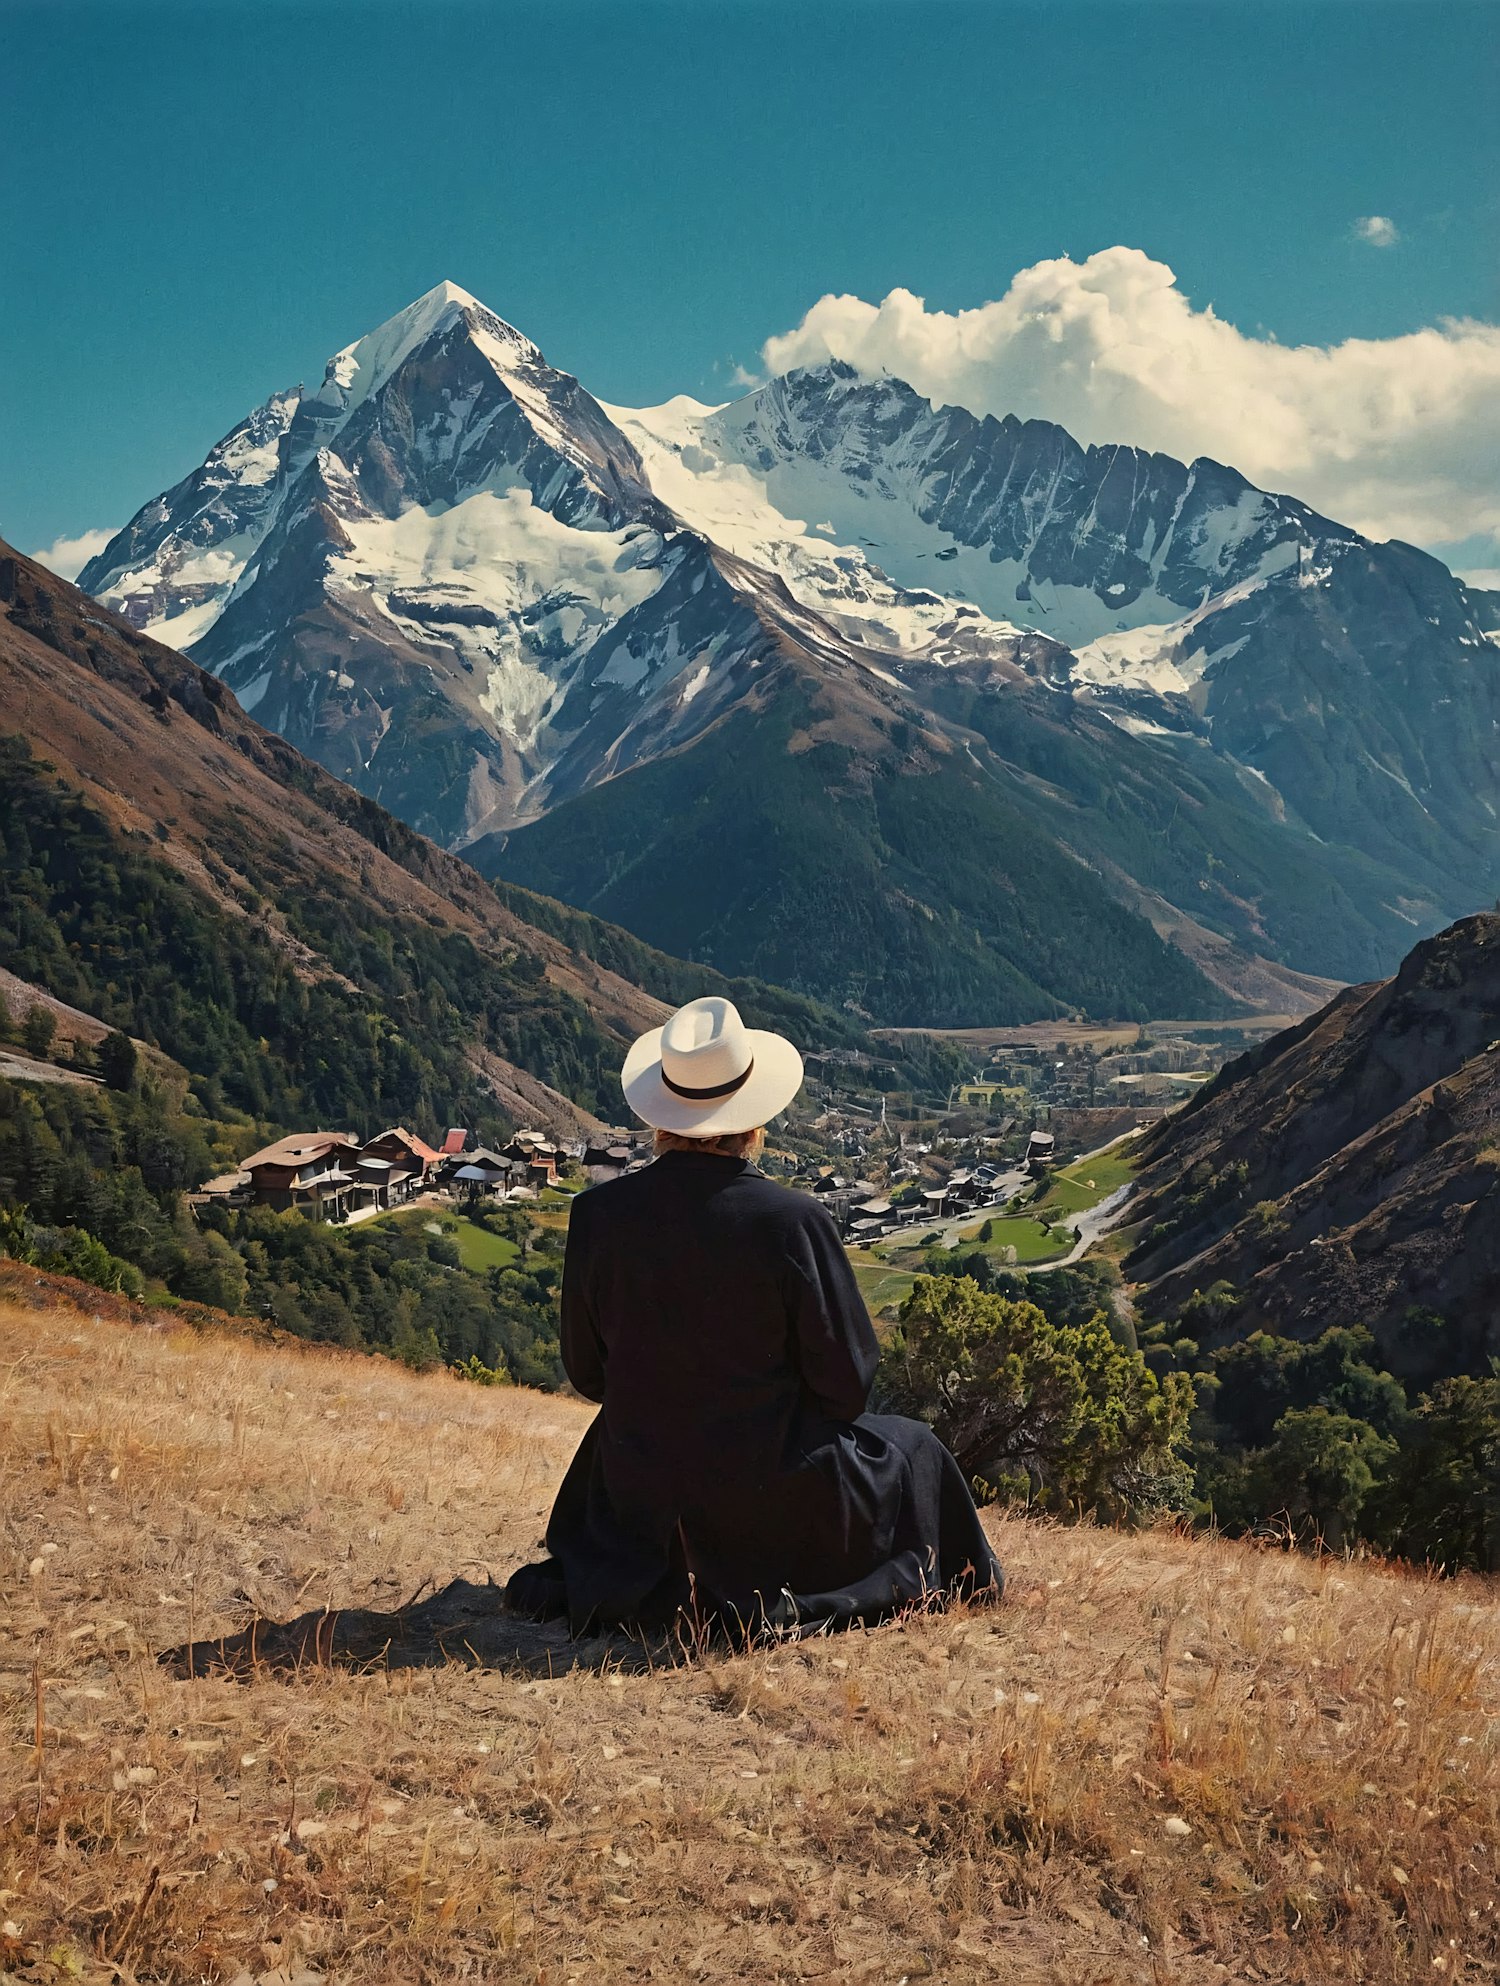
(1348,1172)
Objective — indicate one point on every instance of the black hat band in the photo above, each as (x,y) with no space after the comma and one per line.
(719,1089)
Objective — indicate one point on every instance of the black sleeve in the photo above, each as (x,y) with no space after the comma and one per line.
(836,1346)
(582,1347)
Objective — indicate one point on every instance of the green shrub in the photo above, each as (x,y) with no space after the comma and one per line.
(1077,1414)
(72,1251)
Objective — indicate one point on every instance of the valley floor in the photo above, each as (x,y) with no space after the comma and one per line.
(1160,1759)
(1083,1199)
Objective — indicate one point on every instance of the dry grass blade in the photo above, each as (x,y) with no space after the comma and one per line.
(1163,1759)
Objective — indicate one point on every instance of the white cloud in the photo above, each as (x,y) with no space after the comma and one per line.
(741,376)
(1397,436)
(1485,577)
(68,556)
(1379,230)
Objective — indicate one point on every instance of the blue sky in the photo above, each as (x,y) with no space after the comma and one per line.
(203,201)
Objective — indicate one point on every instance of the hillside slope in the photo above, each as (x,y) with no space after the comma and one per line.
(298,867)
(1160,1760)
(215,841)
(1348,1172)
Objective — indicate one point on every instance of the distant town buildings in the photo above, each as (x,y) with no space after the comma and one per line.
(332,1176)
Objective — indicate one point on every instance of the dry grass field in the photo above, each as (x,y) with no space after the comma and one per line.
(1161,1759)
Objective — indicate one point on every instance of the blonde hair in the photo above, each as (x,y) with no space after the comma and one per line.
(733,1144)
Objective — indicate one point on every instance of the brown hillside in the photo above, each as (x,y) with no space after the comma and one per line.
(1370,1139)
(1162,1759)
(165,752)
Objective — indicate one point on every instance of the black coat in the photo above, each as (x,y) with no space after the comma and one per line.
(715,1317)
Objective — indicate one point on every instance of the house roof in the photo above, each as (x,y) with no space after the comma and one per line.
(415,1145)
(225,1182)
(300,1148)
(454,1142)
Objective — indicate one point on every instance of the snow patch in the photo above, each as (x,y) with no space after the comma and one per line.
(182,629)
(695,683)
(253,694)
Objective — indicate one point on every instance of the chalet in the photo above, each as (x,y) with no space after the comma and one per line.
(1041,1149)
(473,1180)
(484,1171)
(396,1165)
(314,1172)
(966,1189)
(537,1155)
(872,1218)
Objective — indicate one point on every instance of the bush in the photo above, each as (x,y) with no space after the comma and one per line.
(38,1030)
(212,1273)
(1319,1471)
(1066,1408)
(475,1369)
(1442,1501)
(117,1061)
(68,1251)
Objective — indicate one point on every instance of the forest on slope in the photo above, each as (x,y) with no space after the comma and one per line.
(267,951)
(1315,1240)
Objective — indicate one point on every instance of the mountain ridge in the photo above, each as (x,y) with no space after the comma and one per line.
(1346,1172)
(487,599)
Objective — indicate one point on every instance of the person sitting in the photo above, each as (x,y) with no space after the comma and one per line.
(732,1470)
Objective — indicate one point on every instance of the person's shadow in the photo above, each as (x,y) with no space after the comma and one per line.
(465,1623)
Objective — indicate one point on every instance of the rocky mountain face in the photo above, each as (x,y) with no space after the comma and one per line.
(1354,681)
(1348,1172)
(983,689)
(267,844)
(415,571)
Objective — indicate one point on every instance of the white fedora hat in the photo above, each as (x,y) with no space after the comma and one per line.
(706,1075)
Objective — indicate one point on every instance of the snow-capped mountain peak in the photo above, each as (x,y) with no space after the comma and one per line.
(363,367)
(473,590)
(442,400)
